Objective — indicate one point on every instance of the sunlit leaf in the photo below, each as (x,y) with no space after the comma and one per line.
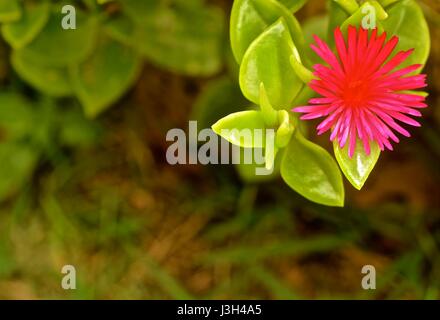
(406,21)
(250,18)
(357,168)
(267,61)
(311,171)
(240,128)
(293,5)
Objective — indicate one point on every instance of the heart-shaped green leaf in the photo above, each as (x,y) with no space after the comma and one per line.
(105,76)
(52,81)
(250,18)
(312,172)
(21,32)
(406,21)
(267,61)
(244,129)
(9,11)
(358,168)
(190,42)
(57,47)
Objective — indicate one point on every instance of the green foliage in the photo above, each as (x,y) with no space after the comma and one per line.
(56,47)
(95,63)
(244,120)
(315,26)
(269,44)
(217,249)
(266,62)
(357,168)
(359,14)
(21,32)
(99,61)
(99,81)
(9,10)
(36,131)
(406,21)
(189,42)
(52,60)
(52,81)
(312,172)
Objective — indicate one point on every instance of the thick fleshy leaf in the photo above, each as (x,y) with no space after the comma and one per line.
(9,10)
(57,47)
(406,21)
(191,42)
(285,129)
(293,5)
(240,128)
(105,76)
(21,32)
(270,115)
(358,168)
(267,61)
(312,172)
(250,18)
(52,81)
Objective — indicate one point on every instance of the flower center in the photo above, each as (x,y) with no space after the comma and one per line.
(356,92)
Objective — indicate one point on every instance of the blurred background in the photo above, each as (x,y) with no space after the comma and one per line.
(84,180)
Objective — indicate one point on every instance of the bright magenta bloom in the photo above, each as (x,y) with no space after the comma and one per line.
(362,97)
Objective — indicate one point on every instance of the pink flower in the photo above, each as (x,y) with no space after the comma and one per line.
(362,97)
